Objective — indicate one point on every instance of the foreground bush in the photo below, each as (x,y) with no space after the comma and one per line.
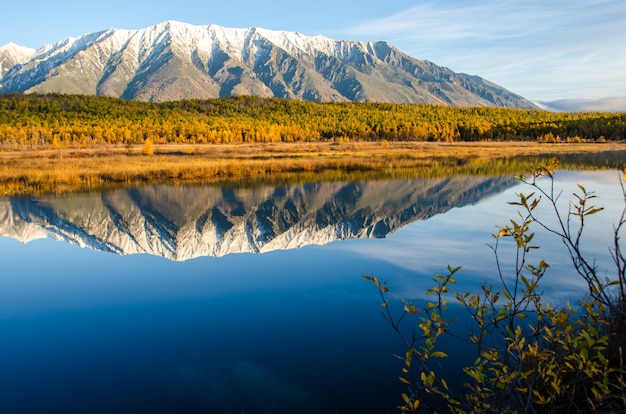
(531,356)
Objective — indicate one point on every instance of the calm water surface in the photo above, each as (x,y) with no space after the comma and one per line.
(241,300)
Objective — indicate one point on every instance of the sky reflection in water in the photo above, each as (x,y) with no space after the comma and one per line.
(287,331)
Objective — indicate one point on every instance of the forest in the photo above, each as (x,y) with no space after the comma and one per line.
(30,121)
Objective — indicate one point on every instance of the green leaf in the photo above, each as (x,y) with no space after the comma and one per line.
(408,356)
(593,211)
(444,383)
(501,315)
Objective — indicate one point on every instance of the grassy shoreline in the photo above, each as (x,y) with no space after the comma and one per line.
(71,169)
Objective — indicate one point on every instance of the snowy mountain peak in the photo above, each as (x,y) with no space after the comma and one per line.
(174,60)
(17,50)
(12,54)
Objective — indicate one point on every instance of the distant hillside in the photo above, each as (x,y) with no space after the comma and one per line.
(173,61)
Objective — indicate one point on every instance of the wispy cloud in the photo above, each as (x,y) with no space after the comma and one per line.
(543,50)
(615,104)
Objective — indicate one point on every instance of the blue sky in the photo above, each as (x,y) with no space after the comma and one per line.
(573,51)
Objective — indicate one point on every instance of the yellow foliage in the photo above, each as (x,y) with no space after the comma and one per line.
(148,147)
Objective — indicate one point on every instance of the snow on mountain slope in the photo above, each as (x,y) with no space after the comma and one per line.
(12,54)
(174,60)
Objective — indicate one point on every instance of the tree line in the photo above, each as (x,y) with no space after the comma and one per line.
(30,120)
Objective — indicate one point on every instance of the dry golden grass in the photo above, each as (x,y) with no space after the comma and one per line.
(75,169)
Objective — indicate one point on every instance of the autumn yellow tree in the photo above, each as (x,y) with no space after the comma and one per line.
(148,147)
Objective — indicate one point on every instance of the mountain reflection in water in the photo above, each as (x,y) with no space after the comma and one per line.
(184,222)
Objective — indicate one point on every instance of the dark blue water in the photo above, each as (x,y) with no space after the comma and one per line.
(284,331)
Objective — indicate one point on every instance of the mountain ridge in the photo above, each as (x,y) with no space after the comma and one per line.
(174,60)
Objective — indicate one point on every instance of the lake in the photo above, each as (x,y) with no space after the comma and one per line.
(244,299)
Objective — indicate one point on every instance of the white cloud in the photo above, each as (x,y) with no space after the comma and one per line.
(613,104)
(542,50)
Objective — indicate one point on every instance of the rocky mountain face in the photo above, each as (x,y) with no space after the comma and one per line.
(173,60)
(181,223)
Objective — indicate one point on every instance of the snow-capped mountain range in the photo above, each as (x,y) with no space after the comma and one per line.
(181,223)
(174,60)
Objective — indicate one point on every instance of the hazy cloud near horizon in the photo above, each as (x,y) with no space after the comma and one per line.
(615,104)
(544,51)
